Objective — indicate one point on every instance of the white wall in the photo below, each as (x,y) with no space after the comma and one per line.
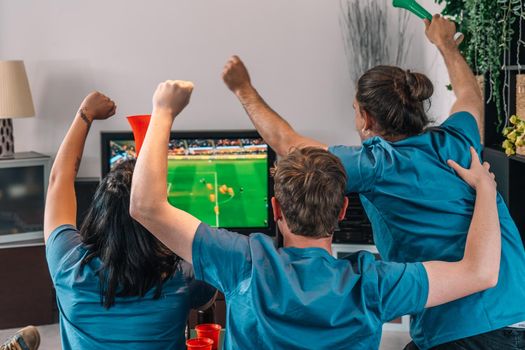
(293,48)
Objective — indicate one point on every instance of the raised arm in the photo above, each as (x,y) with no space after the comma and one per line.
(149,204)
(61,203)
(273,128)
(479,268)
(468,96)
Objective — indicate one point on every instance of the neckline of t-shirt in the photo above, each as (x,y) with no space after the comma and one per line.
(379,139)
(308,252)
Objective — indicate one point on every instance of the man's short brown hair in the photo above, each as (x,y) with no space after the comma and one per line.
(310,188)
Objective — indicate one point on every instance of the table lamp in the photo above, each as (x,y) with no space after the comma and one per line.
(15,102)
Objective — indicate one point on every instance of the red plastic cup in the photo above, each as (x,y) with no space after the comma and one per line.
(199,344)
(211,331)
(139,125)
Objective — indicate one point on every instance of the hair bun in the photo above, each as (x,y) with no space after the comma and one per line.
(419,86)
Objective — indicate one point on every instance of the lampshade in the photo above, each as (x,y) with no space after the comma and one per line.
(15,94)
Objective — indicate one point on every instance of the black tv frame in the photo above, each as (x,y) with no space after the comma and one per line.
(107,136)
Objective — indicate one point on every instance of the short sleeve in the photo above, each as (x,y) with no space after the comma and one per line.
(463,124)
(402,289)
(60,243)
(221,258)
(362,164)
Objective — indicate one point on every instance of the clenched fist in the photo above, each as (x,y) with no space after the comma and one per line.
(441,32)
(97,106)
(235,75)
(172,96)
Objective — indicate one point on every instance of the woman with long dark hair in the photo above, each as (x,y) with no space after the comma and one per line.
(419,209)
(117,286)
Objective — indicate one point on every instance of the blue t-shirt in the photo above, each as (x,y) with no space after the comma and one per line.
(133,322)
(291,298)
(421,210)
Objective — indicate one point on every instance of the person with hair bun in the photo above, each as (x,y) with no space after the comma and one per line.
(419,208)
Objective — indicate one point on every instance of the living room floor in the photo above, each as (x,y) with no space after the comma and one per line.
(50,339)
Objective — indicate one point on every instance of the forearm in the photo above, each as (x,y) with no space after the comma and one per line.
(461,76)
(149,205)
(69,154)
(151,167)
(464,83)
(483,245)
(273,128)
(61,199)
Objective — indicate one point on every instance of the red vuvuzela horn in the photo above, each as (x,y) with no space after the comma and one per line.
(139,125)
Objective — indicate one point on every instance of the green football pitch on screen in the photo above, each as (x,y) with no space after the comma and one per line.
(221,192)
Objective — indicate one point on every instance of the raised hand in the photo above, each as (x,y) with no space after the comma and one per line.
(235,75)
(96,106)
(172,96)
(441,32)
(478,175)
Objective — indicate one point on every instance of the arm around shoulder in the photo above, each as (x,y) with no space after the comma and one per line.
(479,268)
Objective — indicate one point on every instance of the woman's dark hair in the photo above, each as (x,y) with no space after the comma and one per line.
(133,260)
(395,99)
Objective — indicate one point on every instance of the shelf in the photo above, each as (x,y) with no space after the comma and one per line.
(518,158)
(514,68)
(26,156)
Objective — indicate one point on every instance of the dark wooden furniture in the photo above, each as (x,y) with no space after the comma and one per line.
(510,175)
(219,313)
(26,295)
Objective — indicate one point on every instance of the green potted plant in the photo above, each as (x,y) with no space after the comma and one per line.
(488,29)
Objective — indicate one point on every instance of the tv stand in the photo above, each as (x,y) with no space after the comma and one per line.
(27,296)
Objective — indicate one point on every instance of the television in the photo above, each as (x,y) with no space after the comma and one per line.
(23,185)
(221,177)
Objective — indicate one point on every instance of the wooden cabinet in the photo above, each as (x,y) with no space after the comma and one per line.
(26,293)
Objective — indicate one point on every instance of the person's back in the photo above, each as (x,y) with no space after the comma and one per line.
(132,322)
(304,298)
(420,210)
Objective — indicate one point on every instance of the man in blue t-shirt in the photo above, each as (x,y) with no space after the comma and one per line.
(419,209)
(300,296)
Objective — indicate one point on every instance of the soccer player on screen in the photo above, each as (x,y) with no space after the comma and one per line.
(300,297)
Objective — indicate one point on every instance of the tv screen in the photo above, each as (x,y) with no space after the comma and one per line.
(222,178)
